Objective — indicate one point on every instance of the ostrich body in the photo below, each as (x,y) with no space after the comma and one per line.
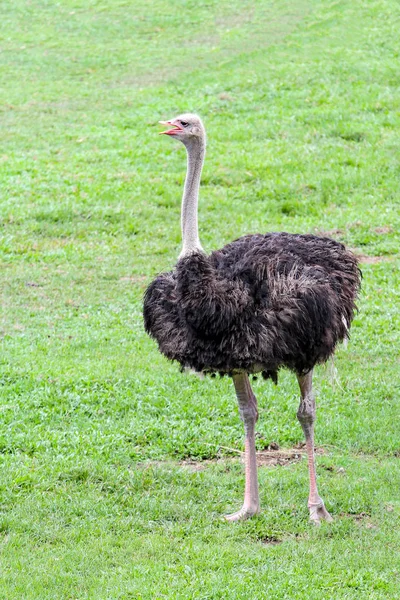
(262,302)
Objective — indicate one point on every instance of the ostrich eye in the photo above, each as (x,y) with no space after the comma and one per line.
(184,123)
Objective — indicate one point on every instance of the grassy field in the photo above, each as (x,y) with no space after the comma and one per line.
(115,467)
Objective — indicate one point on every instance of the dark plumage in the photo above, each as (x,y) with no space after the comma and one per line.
(260,303)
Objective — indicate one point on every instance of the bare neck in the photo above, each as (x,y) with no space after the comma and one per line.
(190,231)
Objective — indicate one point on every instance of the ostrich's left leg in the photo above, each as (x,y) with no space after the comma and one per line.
(306,416)
(249,415)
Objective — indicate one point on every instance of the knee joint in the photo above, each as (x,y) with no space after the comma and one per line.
(306,412)
(248,413)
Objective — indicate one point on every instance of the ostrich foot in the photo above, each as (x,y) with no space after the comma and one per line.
(318,512)
(244,513)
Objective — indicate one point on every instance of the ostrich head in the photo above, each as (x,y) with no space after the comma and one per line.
(187,128)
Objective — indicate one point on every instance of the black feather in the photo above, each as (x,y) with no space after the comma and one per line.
(260,303)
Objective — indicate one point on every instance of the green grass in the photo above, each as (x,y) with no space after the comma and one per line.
(302,108)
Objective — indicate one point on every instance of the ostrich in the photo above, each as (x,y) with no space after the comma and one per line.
(262,302)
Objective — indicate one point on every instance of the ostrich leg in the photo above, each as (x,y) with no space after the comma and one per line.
(249,415)
(306,416)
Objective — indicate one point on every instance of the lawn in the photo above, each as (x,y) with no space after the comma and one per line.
(115,467)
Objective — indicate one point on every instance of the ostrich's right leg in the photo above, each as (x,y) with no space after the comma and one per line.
(249,415)
(306,416)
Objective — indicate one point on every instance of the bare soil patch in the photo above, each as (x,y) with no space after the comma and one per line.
(362,518)
(372,260)
(329,233)
(270,540)
(383,230)
(272,457)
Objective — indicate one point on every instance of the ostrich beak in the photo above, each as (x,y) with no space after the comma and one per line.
(170,131)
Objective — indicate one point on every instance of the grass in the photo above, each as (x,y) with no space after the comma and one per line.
(115,468)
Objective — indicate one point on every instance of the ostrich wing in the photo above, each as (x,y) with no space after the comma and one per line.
(210,303)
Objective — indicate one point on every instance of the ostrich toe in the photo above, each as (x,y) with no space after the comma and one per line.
(246,512)
(318,512)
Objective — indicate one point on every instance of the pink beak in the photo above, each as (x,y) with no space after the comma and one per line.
(170,131)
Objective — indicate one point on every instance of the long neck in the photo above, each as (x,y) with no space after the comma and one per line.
(190,231)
